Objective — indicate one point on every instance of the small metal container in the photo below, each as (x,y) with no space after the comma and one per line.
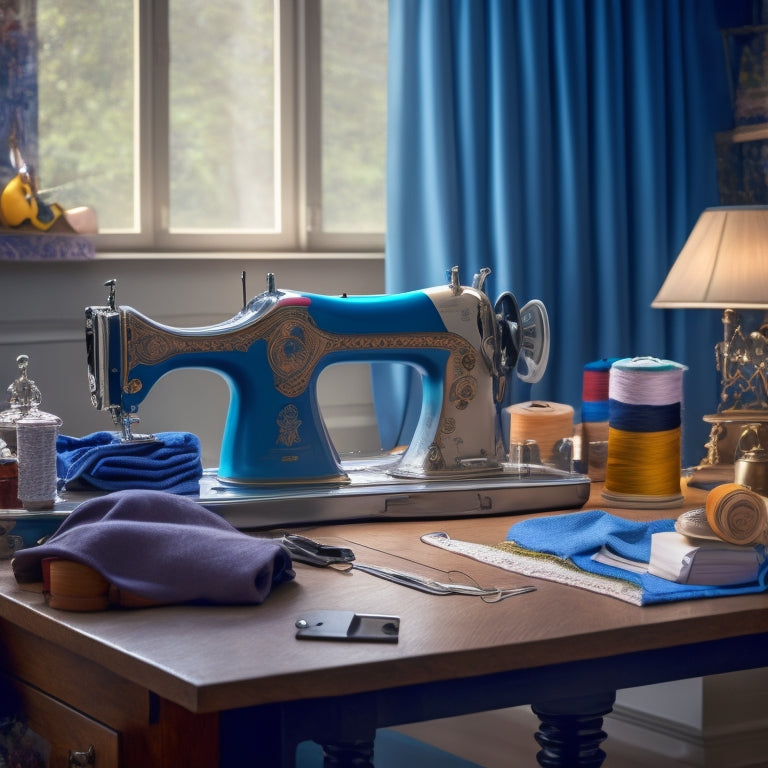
(750,466)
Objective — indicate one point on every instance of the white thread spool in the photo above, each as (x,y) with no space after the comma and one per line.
(36,438)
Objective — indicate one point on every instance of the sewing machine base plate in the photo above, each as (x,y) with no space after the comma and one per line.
(373,493)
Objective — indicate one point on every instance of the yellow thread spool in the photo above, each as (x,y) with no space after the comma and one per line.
(658,474)
(643,464)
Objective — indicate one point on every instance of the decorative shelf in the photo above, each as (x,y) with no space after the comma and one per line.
(44,246)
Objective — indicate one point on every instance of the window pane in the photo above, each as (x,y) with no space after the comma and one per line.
(85,107)
(354,77)
(222,116)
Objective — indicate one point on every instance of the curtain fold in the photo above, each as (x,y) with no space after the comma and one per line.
(569,146)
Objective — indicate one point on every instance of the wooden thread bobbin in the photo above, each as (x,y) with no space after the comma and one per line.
(544,422)
(737,514)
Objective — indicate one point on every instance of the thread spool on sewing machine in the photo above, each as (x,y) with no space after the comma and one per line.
(273,350)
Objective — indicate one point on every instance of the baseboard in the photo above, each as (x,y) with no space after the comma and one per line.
(634,738)
(745,747)
(656,734)
(742,746)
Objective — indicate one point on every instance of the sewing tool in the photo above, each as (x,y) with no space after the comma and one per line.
(544,423)
(434,587)
(277,462)
(305,550)
(643,465)
(273,351)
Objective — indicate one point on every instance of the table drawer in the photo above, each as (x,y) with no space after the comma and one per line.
(68,732)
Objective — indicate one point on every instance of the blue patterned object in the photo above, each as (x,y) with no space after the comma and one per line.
(44,246)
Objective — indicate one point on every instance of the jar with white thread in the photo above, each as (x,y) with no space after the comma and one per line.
(36,437)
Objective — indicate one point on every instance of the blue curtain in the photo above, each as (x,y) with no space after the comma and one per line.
(569,146)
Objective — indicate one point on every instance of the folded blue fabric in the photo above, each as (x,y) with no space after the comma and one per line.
(163,547)
(101,461)
(577,536)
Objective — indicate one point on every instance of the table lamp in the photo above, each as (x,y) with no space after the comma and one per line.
(724,265)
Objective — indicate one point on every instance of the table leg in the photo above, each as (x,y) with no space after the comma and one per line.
(571,731)
(356,754)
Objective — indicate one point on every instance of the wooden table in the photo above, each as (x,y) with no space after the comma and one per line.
(205,686)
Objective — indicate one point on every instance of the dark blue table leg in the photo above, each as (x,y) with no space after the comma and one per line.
(357,754)
(571,731)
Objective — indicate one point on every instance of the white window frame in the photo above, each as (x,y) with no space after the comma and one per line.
(297,141)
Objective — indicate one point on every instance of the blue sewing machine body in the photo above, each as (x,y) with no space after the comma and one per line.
(272,352)
(278,462)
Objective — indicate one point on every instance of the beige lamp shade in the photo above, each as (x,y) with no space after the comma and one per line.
(723,264)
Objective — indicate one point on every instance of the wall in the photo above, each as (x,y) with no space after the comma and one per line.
(41,315)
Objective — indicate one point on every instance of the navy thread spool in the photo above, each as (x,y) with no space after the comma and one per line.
(644,433)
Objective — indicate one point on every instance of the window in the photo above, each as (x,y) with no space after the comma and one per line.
(234,125)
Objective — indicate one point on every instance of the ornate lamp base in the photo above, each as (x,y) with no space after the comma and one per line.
(717,466)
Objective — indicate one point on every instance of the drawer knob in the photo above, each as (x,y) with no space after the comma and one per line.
(80,759)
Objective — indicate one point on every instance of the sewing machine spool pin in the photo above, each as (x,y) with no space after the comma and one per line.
(455,282)
(480,277)
(111,299)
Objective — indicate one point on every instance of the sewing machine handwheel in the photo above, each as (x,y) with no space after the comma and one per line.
(510,327)
(534,353)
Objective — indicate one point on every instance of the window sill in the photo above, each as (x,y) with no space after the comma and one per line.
(276,256)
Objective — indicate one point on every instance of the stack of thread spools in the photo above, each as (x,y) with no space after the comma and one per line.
(594,416)
(644,433)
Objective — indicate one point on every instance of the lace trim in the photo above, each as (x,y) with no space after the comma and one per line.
(539,565)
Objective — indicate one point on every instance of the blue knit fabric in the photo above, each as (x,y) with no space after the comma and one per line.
(100,461)
(577,536)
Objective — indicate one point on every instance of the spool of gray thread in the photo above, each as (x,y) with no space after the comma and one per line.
(36,437)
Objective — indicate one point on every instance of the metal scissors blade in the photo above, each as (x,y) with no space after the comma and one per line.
(306,550)
(433,587)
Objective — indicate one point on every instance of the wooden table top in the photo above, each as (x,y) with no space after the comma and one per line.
(221,657)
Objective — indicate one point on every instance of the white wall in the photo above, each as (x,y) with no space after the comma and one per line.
(41,315)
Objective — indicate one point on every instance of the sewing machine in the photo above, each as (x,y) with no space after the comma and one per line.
(276,446)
